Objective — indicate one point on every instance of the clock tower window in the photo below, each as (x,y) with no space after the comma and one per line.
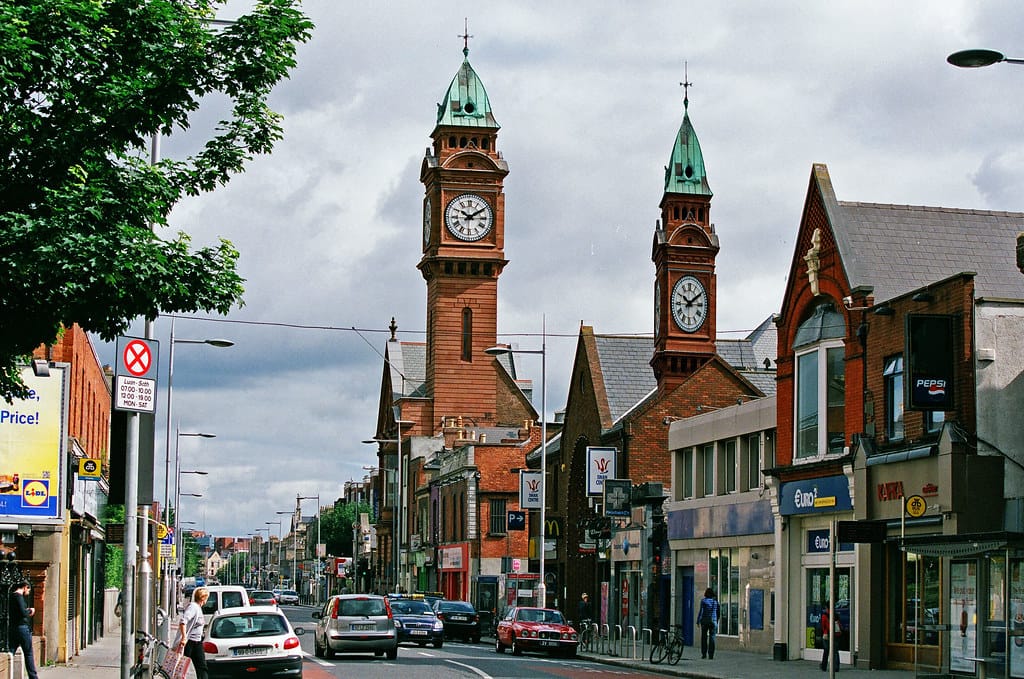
(467,334)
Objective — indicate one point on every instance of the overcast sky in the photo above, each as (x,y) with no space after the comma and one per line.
(589,103)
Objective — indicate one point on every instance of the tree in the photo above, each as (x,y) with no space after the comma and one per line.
(84,85)
(336,526)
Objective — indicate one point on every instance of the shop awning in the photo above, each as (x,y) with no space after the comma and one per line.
(953,546)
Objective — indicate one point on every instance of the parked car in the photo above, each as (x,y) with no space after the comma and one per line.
(417,623)
(288,596)
(262,597)
(277,594)
(225,596)
(536,629)
(355,623)
(461,621)
(253,642)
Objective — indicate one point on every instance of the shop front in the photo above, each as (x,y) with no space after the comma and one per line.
(453,571)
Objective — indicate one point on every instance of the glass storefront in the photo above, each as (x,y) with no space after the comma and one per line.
(817,602)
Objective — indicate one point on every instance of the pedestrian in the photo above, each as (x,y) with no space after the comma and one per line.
(21,626)
(707,619)
(836,631)
(190,631)
(583,610)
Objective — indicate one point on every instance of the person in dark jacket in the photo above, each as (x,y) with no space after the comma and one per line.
(21,626)
(583,610)
(707,619)
(825,626)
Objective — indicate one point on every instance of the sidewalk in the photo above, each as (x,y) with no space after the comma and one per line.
(102,660)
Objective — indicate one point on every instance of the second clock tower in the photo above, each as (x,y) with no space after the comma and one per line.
(463,248)
(684,250)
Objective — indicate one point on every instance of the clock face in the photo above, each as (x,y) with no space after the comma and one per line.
(689,304)
(468,217)
(426,222)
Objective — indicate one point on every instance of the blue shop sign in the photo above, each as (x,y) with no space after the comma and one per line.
(817,542)
(815,496)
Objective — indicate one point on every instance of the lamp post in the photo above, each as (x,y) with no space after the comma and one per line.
(260,564)
(498,351)
(178,494)
(278,524)
(979,58)
(399,516)
(316,554)
(295,551)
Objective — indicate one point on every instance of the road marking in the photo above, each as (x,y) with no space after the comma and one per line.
(477,670)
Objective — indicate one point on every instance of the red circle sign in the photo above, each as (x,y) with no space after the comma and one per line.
(137,358)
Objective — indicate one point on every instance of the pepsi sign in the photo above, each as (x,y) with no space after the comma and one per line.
(930,346)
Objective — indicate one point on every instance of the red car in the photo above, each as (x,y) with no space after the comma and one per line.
(536,629)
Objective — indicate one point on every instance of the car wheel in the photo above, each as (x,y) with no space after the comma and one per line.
(392,654)
(516,648)
(328,651)
(438,644)
(377,654)
(498,646)
(318,650)
(571,653)
(476,640)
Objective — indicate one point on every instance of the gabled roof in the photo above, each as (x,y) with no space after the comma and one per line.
(466,103)
(896,249)
(407,362)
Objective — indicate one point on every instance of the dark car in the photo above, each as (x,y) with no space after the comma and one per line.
(461,621)
(417,623)
(262,597)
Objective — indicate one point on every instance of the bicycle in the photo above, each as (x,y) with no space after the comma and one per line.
(668,646)
(145,657)
(586,635)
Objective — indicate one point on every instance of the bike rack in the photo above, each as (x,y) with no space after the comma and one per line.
(605,635)
(632,633)
(645,638)
(617,641)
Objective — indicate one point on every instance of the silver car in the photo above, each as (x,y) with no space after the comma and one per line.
(355,623)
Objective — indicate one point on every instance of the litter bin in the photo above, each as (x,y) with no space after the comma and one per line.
(780,652)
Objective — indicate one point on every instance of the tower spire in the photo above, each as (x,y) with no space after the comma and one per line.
(686,84)
(465,38)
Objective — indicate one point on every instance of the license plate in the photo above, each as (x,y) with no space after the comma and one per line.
(460,618)
(419,632)
(364,627)
(250,651)
(548,643)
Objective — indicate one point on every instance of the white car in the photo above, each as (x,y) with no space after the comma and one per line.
(252,642)
(288,596)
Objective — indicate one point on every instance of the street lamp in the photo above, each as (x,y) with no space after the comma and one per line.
(398,522)
(259,554)
(498,351)
(979,58)
(295,550)
(278,524)
(316,558)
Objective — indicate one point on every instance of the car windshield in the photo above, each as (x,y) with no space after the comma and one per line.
(290,592)
(539,615)
(354,607)
(409,607)
(456,606)
(248,625)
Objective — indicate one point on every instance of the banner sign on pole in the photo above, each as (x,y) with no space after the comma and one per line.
(530,484)
(600,466)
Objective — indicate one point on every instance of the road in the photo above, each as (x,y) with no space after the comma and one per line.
(455,659)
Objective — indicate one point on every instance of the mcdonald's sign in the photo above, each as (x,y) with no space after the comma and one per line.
(553,529)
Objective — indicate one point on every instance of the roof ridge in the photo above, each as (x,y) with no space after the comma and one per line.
(931,208)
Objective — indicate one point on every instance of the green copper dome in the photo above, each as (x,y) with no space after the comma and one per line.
(685,172)
(466,103)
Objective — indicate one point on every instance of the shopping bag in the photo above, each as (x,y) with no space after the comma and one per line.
(175,664)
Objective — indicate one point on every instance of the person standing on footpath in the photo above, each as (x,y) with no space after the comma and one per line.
(825,626)
(707,618)
(20,628)
(190,632)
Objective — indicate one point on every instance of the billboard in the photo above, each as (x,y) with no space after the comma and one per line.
(600,466)
(32,435)
(930,347)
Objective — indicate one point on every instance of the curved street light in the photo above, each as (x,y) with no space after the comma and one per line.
(979,58)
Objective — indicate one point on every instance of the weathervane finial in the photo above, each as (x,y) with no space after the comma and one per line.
(465,38)
(686,87)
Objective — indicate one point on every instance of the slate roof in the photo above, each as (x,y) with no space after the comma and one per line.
(408,363)
(897,249)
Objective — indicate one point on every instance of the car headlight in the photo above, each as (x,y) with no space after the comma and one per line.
(398,623)
(438,625)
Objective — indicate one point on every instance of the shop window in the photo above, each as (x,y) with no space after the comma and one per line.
(818,596)
(724,578)
(933,420)
(892,377)
(963,614)
(913,598)
(820,384)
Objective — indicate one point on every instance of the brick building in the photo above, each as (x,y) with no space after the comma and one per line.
(899,339)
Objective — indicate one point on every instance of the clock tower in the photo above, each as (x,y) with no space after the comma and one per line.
(684,249)
(463,249)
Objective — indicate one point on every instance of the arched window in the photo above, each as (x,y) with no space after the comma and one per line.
(467,334)
(820,384)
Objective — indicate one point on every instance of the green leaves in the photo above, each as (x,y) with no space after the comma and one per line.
(83,87)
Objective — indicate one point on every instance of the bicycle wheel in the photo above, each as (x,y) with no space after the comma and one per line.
(658,650)
(675,650)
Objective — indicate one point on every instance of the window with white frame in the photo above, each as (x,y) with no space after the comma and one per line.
(727,467)
(892,377)
(707,469)
(820,384)
(750,462)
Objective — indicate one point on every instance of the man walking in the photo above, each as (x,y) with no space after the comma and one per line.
(21,626)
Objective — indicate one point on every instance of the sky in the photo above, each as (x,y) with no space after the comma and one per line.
(589,101)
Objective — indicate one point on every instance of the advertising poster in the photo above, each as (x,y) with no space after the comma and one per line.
(963,608)
(1017,611)
(31,450)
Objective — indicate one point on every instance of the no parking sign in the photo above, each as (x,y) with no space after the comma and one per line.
(135,375)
